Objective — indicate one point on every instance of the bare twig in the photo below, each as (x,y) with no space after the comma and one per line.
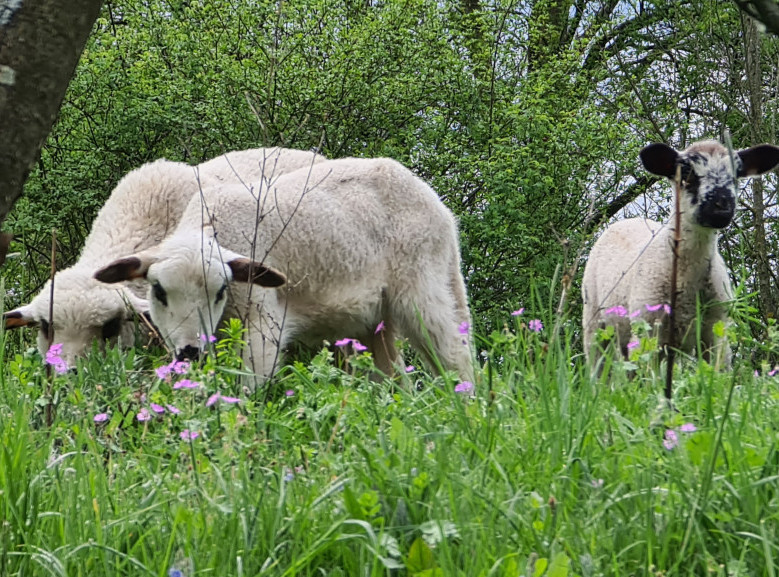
(50,332)
(671,343)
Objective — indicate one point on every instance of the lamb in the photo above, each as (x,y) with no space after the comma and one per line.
(145,206)
(362,247)
(629,268)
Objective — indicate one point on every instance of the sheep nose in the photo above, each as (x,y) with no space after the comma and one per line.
(188,353)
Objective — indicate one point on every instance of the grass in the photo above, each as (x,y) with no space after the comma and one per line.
(542,470)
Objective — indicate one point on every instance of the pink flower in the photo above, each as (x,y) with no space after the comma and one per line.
(101,417)
(230,400)
(410,369)
(464,327)
(188,435)
(358,346)
(173,409)
(535,325)
(162,371)
(635,313)
(212,399)
(289,392)
(343,342)
(159,409)
(179,367)
(773,371)
(618,310)
(53,358)
(518,312)
(655,308)
(688,428)
(671,439)
(208,338)
(186,384)
(633,344)
(464,387)
(379,328)
(143,415)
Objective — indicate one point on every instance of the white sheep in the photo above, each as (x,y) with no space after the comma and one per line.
(361,244)
(628,273)
(145,206)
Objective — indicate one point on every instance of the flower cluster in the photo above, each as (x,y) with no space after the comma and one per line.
(176,367)
(356,345)
(671,439)
(54,359)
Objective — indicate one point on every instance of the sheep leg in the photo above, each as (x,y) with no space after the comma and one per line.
(382,345)
(430,320)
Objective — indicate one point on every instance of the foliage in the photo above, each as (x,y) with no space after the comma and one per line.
(540,469)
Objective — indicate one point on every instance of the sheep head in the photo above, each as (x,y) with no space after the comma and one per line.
(709,174)
(189,277)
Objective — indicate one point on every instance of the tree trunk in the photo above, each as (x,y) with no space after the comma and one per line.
(766,299)
(40,45)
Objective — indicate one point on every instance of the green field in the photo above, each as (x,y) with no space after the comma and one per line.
(539,469)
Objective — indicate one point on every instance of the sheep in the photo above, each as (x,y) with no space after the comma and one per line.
(145,206)
(628,272)
(363,248)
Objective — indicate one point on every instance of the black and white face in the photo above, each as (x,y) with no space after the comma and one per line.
(709,184)
(709,174)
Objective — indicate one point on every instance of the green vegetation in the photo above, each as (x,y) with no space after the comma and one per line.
(526,117)
(538,469)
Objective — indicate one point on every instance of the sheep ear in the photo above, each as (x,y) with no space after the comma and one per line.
(127,268)
(247,270)
(660,159)
(758,159)
(21,317)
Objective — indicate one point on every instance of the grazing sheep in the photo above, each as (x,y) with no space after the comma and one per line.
(628,273)
(144,207)
(361,244)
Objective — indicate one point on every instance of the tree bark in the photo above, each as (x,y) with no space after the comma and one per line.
(754,75)
(765,11)
(40,44)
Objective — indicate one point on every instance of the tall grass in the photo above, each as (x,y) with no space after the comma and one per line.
(541,469)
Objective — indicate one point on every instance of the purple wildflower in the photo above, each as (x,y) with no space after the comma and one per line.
(635,313)
(358,346)
(688,428)
(671,439)
(54,359)
(535,325)
(410,368)
(186,384)
(618,310)
(173,409)
(179,367)
(343,342)
(143,415)
(188,435)
(379,328)
(230,400)
(159,409)
(289,392)
(464,328)
(101,417)
(518,312)
(212,399)
(464,387)
(773,371)
(633,344)
(208,338)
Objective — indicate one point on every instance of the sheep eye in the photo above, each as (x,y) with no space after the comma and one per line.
(159,293)
(112,328)
(221,293)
